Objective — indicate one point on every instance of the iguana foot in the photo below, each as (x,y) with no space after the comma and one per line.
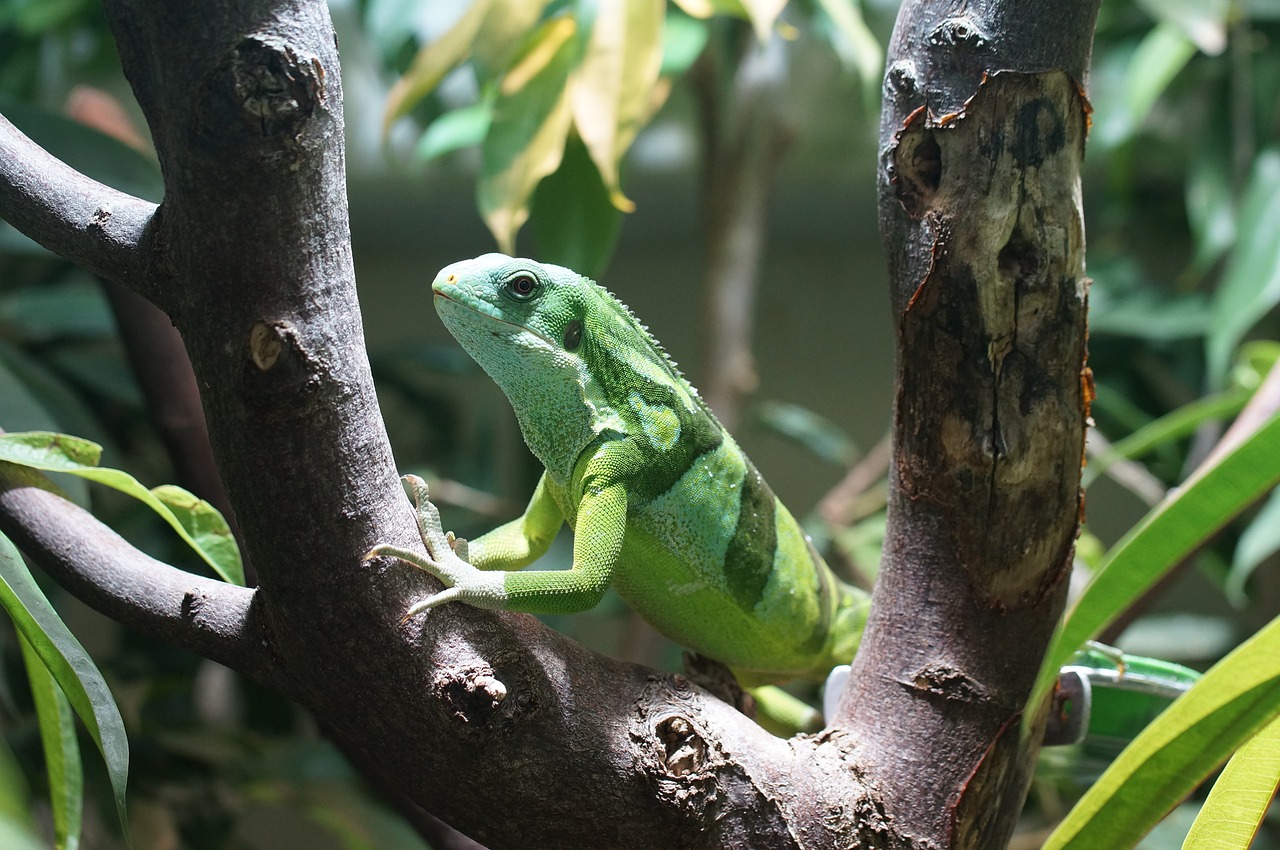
(445,559)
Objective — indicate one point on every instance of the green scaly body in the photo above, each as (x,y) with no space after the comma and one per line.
(663,504)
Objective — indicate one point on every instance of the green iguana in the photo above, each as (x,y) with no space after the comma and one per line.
(663,504)
(667,509)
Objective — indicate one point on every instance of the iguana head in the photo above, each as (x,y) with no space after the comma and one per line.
(573,361)
(522,322)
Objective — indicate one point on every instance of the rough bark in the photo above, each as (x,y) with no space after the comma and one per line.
(982,137)
(498,726)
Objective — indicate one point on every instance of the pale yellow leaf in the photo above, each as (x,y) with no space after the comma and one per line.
(611,92)
(542,51)
(531,120)
(697,8)
(434,61)
(505,26)
(763,15)
(1240,797)
(707,8)
(505,195)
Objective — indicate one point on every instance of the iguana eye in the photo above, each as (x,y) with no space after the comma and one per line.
(572,335)
(522,287)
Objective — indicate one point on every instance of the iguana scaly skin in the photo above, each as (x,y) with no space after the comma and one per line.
(663,504)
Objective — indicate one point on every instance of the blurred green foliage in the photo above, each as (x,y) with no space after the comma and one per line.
(1182,197)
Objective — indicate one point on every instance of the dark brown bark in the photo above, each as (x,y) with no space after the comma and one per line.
(981,141)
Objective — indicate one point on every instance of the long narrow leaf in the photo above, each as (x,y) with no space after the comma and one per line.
(433,62)
(15,794)
(1258,542)
(195,520)
(70,666)
(15,835)
(1230,817)
(1250,285)
(1237,697)
(1166,535)
(1172,426)
(531,120)
(611,93)
(61,750)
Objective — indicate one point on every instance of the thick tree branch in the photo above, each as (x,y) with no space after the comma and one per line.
(981,141)
(73,215)
(209,617)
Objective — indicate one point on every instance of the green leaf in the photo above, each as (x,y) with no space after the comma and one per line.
(854,42)
(1211,211)
(819,435)
(458,128)
(1259,541)
(61,750)
(76,307)
(70,666)
(684,39)
(1149,315)
(1169,533)
(187,514)
(1230,817)
(22,411)
(1250,286)
(505,28)
(68,411)
(15,795)
(531,121)
(612,92)
(433,62)
(1172,426)
(15,835)
(205,526)
(1162,53)
(575,223)
(489,29)
(1237,697)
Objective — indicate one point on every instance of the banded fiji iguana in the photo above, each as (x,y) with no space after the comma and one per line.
(663,504)
(667,509)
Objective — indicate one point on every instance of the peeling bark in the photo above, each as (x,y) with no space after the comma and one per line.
(981,143)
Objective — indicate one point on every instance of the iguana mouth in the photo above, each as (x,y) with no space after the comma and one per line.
(483,308)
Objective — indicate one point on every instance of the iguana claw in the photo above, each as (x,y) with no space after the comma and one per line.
(445,559)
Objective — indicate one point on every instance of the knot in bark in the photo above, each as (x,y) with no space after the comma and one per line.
(275,90)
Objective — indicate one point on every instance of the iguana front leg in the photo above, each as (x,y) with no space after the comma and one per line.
(445,559)
(598,535)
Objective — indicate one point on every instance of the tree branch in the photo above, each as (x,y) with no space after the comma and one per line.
(214,619)
(981,140)
(747,128)
(73,215)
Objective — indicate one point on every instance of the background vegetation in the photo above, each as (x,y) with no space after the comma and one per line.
(1182,196)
